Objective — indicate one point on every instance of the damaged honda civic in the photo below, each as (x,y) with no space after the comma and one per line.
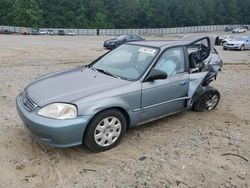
(136,83)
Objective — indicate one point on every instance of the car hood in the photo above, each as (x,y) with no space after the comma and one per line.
(70,85)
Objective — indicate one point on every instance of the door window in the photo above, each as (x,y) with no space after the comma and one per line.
(128,37)
(172,61)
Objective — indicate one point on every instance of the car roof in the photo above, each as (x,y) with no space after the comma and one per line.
(187,40)
(161,43)
(127,35)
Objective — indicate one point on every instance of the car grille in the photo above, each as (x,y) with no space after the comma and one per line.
(28,103)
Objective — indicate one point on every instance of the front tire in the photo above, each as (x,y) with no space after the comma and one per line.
(208,100)
(242,48)
(105,130)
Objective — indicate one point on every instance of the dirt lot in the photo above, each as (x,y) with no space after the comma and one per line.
(184,150)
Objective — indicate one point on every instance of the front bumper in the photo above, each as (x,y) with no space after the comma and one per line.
(231,47)
(59,133)
(109,45)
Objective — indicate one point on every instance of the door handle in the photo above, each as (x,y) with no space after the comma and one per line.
(183,83)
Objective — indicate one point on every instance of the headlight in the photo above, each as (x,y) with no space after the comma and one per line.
(59,111)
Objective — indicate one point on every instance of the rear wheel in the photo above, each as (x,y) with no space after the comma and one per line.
(208,100)
(105,130)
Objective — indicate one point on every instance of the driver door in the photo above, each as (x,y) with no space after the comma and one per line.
(163,97)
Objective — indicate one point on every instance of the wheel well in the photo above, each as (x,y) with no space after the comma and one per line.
(125,113)
(122,110)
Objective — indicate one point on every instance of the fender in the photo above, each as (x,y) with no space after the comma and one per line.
(120,98)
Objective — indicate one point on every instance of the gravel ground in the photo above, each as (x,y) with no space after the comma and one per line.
(183,150)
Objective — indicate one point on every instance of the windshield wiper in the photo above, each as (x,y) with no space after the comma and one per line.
(105,72)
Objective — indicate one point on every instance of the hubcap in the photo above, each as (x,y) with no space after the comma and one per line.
(212,102)
(107,131)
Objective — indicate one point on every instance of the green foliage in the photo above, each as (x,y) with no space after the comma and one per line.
(26,12)
(122,13)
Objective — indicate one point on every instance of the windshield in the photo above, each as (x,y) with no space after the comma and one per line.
(225,37)
(127,61)
(120,37)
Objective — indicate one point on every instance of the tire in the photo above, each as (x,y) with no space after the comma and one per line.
(102,134)
(224,48)
(208,100)
(242,48)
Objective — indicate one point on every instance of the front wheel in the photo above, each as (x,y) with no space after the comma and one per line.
(208,100)
(105,130)
(242,48)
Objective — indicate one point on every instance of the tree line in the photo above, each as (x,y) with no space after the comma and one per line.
(122,13)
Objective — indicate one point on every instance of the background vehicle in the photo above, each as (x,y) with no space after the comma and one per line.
(6,31)
(34,31)
(61,32)
(42,32)
(71,33)
(50,32)
(25,31)
(245,27)
(224,38)
(114,43)
(239,30)
(133,84)
(229,28)
(237,43)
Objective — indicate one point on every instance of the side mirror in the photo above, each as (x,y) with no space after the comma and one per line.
(156,74)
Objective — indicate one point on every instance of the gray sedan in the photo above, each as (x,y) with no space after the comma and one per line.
(134,84)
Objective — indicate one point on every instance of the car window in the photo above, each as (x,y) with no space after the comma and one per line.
(128,37)
(121,37)
(121,56)
(172,61)
(127,61)
(142,57)
(135,37)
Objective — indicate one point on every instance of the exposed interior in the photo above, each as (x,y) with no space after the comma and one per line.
(197,53)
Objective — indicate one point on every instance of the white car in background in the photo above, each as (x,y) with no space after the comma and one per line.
(42,32)
(71,33)
(237,43)
(239,30)
(50,32)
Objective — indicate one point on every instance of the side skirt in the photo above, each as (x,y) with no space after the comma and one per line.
(160,117)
